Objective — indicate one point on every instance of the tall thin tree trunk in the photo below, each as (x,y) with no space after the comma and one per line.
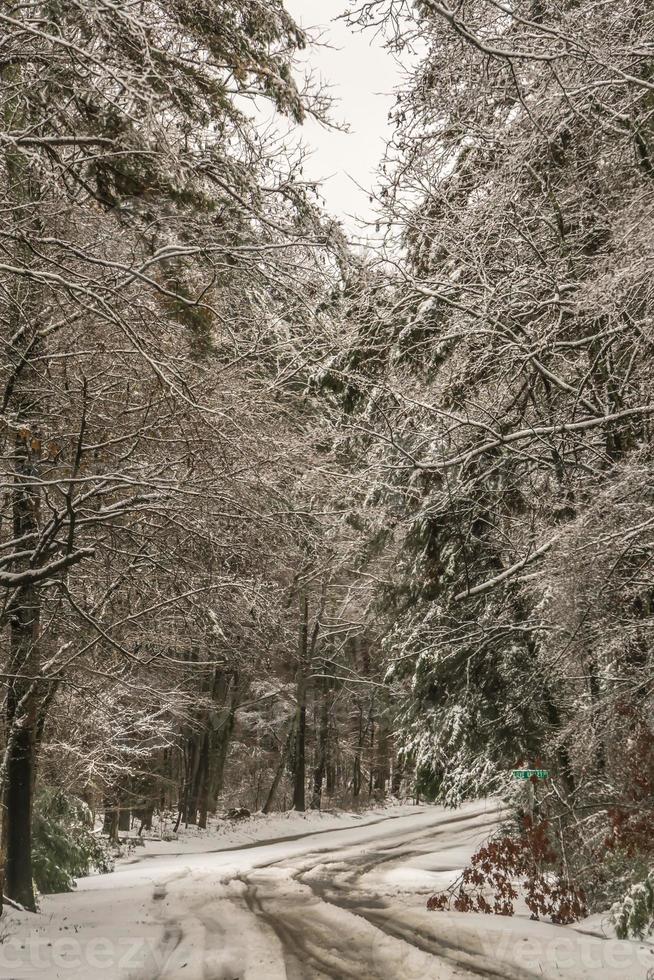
(382,760)
(371,771)
(23,684)
(321,749)
(110,823)
(332,758)
(224,735)
(196,777)
(356,767)
(22,697)
(397,774)
(204,781)
(279,772)
(301,709)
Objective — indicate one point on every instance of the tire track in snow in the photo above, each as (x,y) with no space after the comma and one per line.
(294,929)
(340,889)
(299,911)
(472,961)
(318,944)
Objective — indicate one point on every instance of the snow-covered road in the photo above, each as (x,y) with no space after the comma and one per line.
(344,902)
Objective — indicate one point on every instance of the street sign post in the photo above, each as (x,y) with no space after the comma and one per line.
(528,773)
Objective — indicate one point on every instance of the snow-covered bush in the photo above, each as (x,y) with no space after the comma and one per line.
(633,915)
(64,845)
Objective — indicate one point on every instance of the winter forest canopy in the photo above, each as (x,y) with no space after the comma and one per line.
(288,522)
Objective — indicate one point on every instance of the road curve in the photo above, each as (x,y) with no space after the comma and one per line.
(325,912)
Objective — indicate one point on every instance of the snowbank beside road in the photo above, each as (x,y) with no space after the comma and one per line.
(251,830)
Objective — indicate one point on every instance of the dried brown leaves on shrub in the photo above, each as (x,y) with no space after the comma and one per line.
(506,865)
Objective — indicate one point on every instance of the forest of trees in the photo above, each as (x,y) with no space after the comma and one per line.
(287,522)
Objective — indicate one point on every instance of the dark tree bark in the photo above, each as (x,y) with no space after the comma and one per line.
(331,768)
(281,766)
(145,816)
(195,777)
(356,767)
(372,727)
(18,804)
(361,653)
(213,743)
(203,781)
(224,733)
(398,775)
(323,741)
(299,769)
(110,821)
(22,716)
(382,758)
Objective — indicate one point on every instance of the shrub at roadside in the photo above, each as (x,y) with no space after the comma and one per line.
(65,846)
(507,866)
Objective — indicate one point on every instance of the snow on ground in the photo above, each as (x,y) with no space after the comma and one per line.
(293,897)
(257,827)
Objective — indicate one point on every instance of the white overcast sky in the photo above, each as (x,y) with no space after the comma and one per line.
(361,75)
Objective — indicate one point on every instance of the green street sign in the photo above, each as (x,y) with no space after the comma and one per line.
(528,773)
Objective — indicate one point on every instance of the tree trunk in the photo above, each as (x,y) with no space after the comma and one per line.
(21,403)
(17,816)
(322,747)
(110,821)
(382,759)
(279,772)
(204,778)
(146,818)
(222,737)
(196,778)
(332,755)
(371,771)
(299,769)
(124,818)
(398,775)
(356,767)
(22,699)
